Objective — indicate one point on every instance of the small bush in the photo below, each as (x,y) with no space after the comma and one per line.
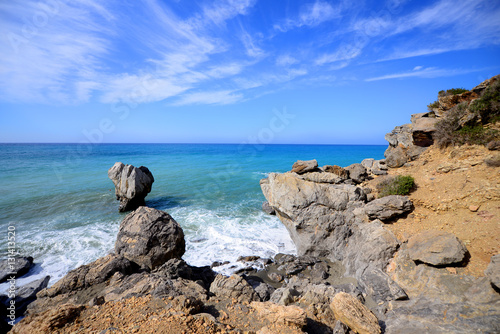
(450,132)
(453,91)
(433,105)
(488,105)
(399,185)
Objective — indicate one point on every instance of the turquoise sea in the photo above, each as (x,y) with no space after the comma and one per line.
(62,204)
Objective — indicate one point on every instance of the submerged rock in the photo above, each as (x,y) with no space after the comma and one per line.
(132,184)
(149,238)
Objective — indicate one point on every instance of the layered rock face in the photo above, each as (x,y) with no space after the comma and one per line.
(132,184)
(330,217)
(325,219)
(408,141)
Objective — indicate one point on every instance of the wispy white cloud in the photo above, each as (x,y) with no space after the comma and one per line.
(220,11)
(311,15)
(445,26)
(89,50)
(286,60)
(346,52)
(52,53)
(211,97)
(430,72)
(251,47)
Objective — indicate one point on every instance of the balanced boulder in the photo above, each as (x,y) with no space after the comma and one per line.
(149,238)
(132,185)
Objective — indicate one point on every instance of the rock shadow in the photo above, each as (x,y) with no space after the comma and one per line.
(165,202)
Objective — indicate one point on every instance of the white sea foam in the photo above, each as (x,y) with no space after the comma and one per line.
(58,252)
(212,237)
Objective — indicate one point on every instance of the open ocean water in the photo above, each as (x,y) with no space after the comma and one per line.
(62,205)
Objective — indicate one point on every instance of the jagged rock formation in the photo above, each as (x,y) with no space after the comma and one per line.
(332,220)
(326,220)
(408,141)
(132,184)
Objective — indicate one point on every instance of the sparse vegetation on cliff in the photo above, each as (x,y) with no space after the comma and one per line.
(468,122)
(452,91)
(398,185)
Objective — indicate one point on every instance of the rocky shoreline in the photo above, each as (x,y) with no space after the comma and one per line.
(352,274)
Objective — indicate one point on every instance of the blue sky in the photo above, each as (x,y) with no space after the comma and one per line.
(234,71)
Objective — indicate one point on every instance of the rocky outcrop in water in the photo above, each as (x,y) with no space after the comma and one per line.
(14,266)
(149,238)
(132,184)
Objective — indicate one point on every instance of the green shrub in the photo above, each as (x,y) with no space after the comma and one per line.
(464,123)
(488,105)
(398,185)
(433,105)
(452,91)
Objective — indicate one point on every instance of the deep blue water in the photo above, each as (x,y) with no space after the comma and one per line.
(63,207)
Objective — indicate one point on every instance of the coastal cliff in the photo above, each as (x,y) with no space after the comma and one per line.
(366,263)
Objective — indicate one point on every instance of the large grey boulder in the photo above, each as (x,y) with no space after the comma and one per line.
(132,184)
(233,287)
(366,256)
(423,129)
(149,238)
(322,222)
(436,248)
(14,266)
(315,214)
(388,207)
(493,271)
(357,172)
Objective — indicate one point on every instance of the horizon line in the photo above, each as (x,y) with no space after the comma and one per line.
(163,143)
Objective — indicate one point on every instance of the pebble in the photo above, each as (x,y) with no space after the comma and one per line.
(473,208)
